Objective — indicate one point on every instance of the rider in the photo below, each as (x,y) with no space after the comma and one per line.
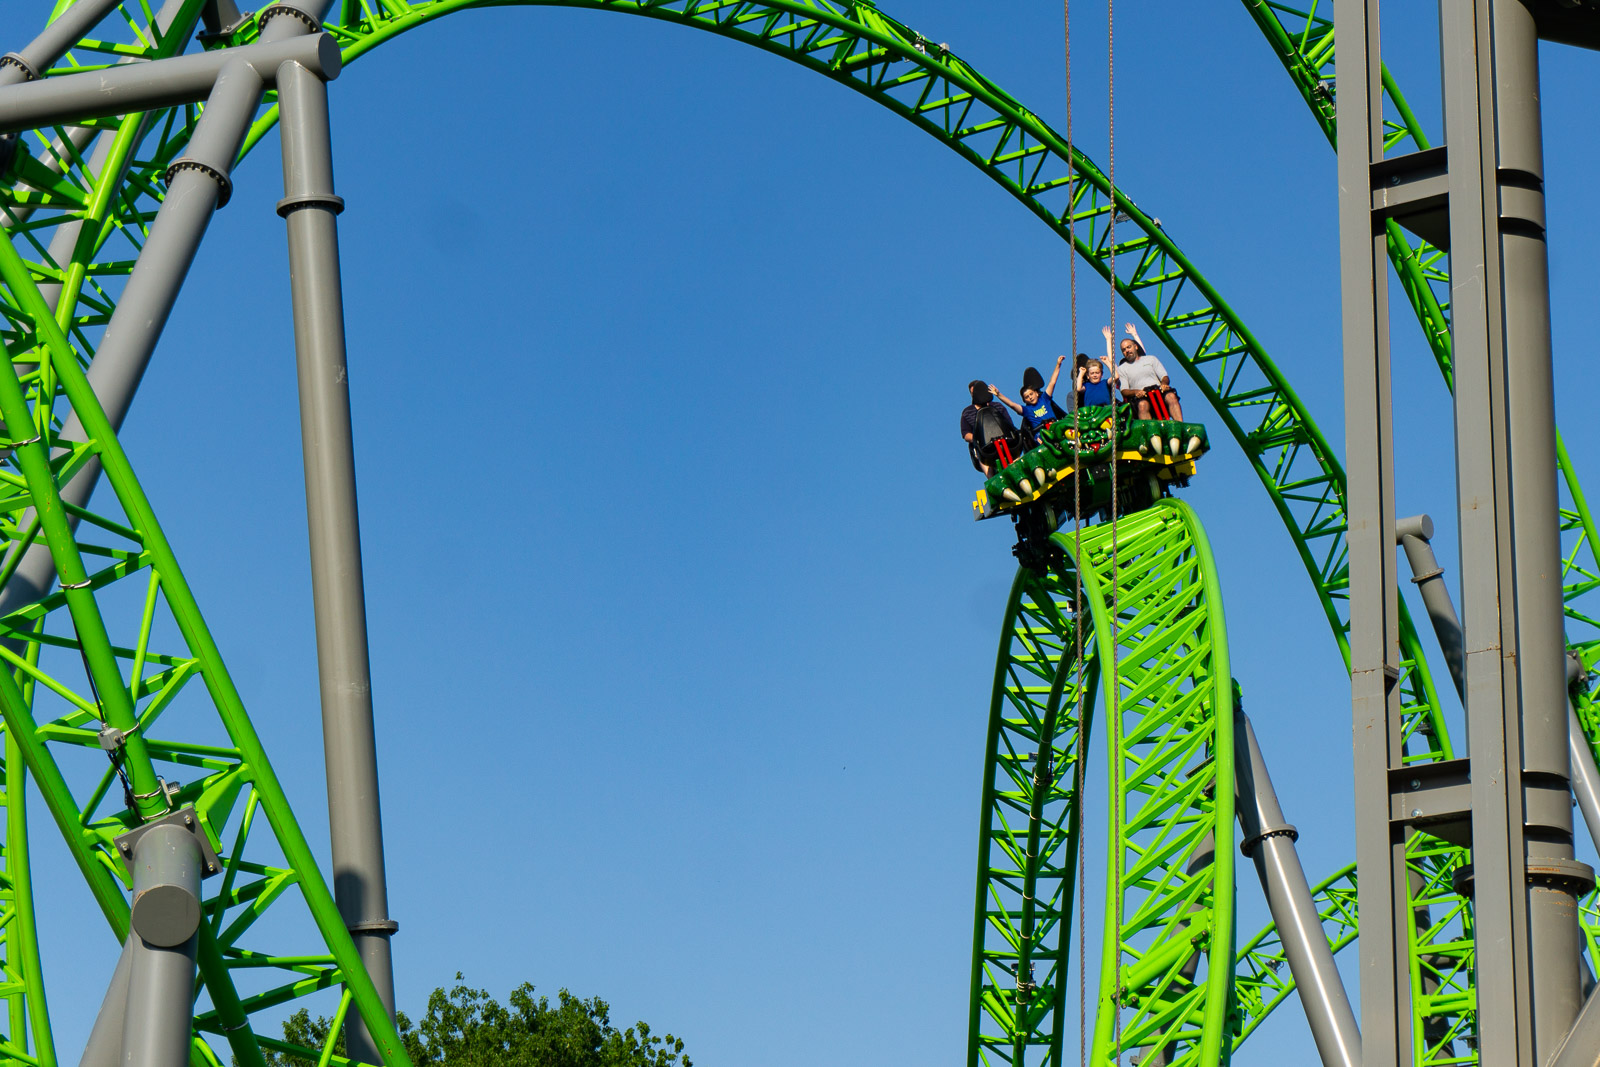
(1038,408)
(985,422)
(1142,379)
(1097,382)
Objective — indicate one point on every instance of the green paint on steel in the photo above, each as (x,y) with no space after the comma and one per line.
(1177,902)
(1039,723)
(1166,977)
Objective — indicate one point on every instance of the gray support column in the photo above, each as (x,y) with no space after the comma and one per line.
(1269,842)
(1554,880)
(310,210)
(1374,607)
(104,1047)
(52,44)
(1510,554)
(165,919)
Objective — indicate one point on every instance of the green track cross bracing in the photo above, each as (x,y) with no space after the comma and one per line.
(854,44)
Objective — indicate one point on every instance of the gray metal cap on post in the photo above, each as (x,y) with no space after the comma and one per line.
(166,886)
(167,865)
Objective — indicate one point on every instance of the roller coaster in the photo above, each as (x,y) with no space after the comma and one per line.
(120,710)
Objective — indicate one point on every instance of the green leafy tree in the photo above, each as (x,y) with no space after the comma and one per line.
(468,1028)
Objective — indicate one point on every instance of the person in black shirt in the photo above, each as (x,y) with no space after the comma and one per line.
(983,409)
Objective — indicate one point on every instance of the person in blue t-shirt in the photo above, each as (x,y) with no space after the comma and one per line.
(1037,409)
(1097,384)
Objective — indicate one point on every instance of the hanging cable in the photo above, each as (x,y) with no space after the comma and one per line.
(110,741)
(1116,577)
(1082,695)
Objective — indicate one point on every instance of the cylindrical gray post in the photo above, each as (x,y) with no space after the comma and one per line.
(1535,523)
(1269,842)
(166,917)
(1414,535)
(310,209)
(31,63)
(104,1047)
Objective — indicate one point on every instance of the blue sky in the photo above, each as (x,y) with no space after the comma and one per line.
(682,635)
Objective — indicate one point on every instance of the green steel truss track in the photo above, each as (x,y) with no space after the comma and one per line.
(851,43)
(1176,902)
(1028,843)
(1155,600)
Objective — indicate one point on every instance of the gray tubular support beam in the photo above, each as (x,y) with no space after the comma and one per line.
(124,89)
(193,195)
(104,1047)
(1582,1046)
(31,63)
(1585,778)
(1553,880)
(1414,535)
(166,915)
(310,209)
(1269,842)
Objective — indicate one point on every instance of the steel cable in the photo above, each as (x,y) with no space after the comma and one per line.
(1077,585)
(1116,577)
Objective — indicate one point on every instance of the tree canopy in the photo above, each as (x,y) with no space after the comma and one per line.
(467,1027)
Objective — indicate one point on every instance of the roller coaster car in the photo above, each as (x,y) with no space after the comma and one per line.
(1073,468)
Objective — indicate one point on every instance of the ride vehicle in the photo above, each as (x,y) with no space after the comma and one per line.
(1079,466)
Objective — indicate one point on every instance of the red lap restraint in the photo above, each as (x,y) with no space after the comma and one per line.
(1158,403)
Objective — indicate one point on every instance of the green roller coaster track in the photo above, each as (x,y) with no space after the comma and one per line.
(1176,903)
(137,652)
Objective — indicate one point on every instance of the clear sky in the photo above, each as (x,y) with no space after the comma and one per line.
(682,635)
